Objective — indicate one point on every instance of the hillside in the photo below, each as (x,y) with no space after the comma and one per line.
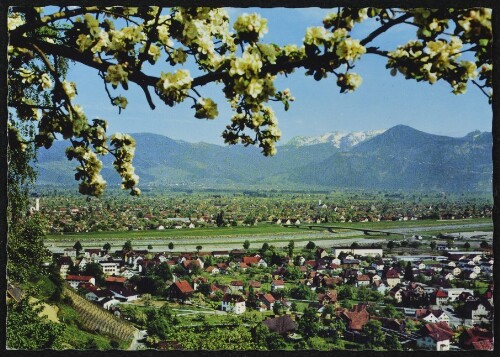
(398,158)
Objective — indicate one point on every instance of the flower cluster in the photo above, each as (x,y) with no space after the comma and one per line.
(350,49)
(92,182)
(206,108)
(173,87)
(432,61)
(124,151)
(117,74)
(349,82)
(250,27)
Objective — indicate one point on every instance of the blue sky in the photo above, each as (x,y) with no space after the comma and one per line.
(381,102)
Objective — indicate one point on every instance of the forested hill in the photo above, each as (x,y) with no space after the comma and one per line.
(398,158)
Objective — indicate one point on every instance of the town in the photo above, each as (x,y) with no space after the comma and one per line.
(355,296)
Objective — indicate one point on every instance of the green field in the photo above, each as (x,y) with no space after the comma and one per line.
(260,229)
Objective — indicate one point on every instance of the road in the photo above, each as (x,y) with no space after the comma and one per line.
(321,238)
(136,344)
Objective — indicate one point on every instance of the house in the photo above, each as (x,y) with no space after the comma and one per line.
(126,273)
(110,268)
(379,286)
(454,293)
(220,254)
(441,297)
(64,264)
(392,278)
(93,253)
(362,280)
(476,338)
(254,284)
(190,265)
(397,293)
(321,253)
(199,281)
(236,285)
(329,297)
(212,270)
(98,294)
(478,310)
(125,295)
(223,268)
(76,280)
(435,337)
(82,263)
(70,252)
(268,300)
(282,325)
(356,319)
(180,290)
(277,284)
(432,316)
(255,261)
(233,303)
(378,265)
(108,303)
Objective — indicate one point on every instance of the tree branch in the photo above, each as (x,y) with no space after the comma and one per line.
(386,27)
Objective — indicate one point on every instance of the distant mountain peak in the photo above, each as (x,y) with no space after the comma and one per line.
(339,139)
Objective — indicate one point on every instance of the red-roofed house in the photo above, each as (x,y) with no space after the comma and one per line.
(237,285)
(392,278)
(479,336)
(362,280)
(277,284)
(435,337)
(268,300)
(355,320)
(180,290)
(76,280)
(255,260)
(441,297)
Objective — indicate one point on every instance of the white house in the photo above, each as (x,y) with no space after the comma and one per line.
(454,293)
(76,280)
(435,337)
(233,303)
(110,268)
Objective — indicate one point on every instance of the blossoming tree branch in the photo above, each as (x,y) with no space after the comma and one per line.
(118,41)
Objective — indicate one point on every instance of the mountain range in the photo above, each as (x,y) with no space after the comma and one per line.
(394,159)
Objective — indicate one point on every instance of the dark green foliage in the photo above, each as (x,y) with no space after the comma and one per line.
(127,247)
(373,330)
(26,251)
(219,220)
(290,247)
(246,244)
(95,270)
(163,271)
(26,330)
(308,325)
(78,247)
(408,276)
(310,245)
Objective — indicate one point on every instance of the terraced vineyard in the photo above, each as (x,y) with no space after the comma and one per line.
(97,319)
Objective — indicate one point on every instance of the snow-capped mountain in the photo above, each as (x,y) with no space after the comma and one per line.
(340,140)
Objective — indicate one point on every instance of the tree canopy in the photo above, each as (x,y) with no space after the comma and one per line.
(123,44)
